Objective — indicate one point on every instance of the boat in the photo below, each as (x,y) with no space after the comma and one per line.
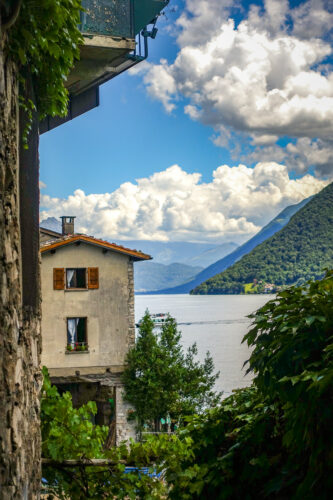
(158,319)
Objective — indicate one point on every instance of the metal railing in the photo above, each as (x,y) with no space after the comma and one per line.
(108,17)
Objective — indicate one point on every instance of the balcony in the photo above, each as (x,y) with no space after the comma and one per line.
(115,39)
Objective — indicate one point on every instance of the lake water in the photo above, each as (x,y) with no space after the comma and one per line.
(217,323)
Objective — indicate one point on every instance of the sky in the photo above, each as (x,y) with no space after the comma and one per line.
(227,122)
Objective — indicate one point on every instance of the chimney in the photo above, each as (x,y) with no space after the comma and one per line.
(67,224)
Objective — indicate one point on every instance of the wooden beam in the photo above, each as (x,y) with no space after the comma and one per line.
(94,462)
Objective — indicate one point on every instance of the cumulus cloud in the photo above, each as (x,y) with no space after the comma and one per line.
(175,205)
(313,19)
(266,76)
(298,156)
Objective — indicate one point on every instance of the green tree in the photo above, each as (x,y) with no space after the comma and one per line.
(160,379)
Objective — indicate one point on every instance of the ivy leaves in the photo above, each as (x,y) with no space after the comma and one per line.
(46,38)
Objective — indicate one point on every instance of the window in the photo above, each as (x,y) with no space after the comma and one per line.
(76,278)
(77,334)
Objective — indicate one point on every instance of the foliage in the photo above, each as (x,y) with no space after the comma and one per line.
(297,253)
(79,437)
(273,440)
(160,379)
(68,433)
(45,39)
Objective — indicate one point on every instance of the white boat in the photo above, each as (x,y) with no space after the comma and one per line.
(158,319)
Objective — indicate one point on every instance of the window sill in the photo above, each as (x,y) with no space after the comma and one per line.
(76,289)
(77,352)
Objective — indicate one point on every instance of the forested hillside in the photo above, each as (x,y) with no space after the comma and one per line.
(300,251)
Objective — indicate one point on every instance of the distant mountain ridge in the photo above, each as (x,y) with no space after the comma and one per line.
(167,252)
(298,252)
(151,276)
(186,252)
(52,224)
(211,255)
(266,232)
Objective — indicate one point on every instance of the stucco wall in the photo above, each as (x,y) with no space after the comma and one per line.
(109,310)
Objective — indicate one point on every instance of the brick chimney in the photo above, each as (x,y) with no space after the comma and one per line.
(67,224)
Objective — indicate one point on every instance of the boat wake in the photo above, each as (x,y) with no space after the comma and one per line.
(215,322)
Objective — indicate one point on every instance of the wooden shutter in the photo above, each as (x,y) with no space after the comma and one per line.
(93,280)
(58,278)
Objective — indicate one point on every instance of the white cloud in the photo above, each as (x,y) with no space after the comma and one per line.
(299,156)
(313,18)
(42,185)
(263,77)
(175,205)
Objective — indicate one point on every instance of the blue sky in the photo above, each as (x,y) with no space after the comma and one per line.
(128,136)
(209,144)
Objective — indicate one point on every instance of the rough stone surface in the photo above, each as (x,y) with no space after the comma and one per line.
(20,379)
(125,430)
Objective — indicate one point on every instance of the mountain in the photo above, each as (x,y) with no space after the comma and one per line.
(52,224)
(298,252)
(169,252)
(271,228)
(151,276)
(210,256)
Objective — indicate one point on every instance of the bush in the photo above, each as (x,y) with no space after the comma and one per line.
(273,440)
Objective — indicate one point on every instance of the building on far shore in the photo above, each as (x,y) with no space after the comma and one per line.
(88,320)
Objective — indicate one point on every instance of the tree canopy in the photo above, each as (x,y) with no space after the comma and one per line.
(161,380)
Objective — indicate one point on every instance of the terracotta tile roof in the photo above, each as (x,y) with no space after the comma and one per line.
(46,246)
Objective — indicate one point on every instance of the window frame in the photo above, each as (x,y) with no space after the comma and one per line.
(76,350)
(85,269)
(60,279)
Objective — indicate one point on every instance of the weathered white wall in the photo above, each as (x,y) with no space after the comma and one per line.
(109,310)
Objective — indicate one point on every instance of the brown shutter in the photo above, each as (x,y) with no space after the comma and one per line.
(93,281)
(58,278)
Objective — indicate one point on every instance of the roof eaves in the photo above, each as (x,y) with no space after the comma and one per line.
(65,240)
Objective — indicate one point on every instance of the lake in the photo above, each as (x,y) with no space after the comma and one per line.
(217,323)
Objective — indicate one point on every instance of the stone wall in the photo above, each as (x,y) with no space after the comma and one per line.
(20,379)
(125,430)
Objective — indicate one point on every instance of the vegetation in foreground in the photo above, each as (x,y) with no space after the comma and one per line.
(271,440)
(297,253)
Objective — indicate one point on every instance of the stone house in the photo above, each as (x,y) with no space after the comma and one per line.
(88,320)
